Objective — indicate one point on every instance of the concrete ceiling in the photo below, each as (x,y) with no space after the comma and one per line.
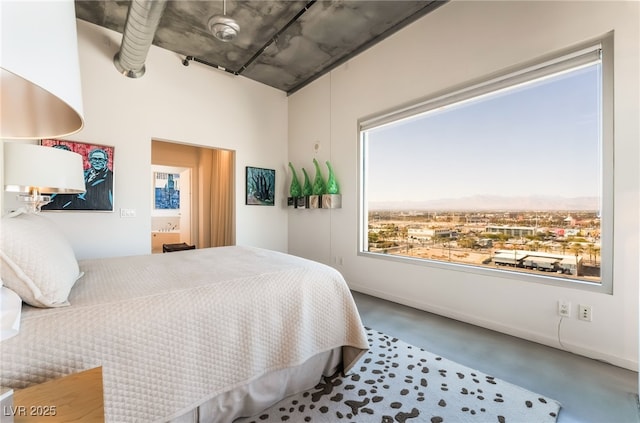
(285,44)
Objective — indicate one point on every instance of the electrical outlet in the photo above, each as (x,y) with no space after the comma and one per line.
(564,308)
(585,312)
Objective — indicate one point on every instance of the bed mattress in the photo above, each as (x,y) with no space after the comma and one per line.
(172,331)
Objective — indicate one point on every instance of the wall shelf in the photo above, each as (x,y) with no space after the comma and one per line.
(325,201)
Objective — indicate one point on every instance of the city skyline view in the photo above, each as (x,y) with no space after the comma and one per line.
(548,243)
(509,180)
(487,203)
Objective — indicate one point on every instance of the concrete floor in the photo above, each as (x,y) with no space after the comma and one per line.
(589,390)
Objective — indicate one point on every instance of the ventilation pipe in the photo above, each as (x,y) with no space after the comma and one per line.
(143,19)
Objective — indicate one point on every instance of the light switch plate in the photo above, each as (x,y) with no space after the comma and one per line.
(127,212)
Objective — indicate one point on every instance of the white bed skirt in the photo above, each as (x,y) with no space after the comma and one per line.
(249,400)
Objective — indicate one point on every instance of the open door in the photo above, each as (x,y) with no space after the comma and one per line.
(171,213)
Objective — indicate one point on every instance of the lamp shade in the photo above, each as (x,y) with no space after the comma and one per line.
(45,169)
(40,87)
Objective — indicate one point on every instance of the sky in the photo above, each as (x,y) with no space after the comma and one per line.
(541,139)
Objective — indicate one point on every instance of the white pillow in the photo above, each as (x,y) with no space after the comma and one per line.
(36,260)
(10,310)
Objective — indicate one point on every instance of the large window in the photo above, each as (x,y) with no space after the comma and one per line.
(508,175)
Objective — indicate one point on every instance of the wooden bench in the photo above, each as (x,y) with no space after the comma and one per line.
(169,248)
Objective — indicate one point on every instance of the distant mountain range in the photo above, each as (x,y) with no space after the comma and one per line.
(492,203)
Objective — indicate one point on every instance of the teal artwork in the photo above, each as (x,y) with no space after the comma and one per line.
(261,186)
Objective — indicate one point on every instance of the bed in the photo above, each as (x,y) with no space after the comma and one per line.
(199,335)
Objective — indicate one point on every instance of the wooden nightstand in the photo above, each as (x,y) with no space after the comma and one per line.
(74,398)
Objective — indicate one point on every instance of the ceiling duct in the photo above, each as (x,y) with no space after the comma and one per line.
(142,21)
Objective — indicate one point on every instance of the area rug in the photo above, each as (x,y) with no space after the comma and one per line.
(398,382)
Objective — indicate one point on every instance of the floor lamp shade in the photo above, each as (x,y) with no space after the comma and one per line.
(40,82)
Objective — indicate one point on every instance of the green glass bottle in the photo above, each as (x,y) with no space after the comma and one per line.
(306,188)
(319,186)
(294,190)
(332,183)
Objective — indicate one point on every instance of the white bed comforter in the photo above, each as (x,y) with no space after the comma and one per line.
(173,330)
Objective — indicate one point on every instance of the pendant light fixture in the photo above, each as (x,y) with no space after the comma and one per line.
(222,27)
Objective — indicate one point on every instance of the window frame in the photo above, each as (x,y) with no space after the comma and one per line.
(566,60)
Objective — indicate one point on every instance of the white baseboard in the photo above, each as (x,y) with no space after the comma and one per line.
(540,338)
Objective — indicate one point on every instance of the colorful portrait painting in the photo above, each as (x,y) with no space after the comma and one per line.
(98,177)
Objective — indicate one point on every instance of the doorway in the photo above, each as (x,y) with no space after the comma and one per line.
(171,209)
(195,186)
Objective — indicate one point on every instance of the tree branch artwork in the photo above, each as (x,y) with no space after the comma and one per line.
(261,184)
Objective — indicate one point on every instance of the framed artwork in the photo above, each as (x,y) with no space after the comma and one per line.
(166,191)
(261,186)
(97,161)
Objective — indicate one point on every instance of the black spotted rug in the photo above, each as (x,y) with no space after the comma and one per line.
(398,382)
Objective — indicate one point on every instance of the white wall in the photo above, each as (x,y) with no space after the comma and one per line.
(457,43)
(195,105)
